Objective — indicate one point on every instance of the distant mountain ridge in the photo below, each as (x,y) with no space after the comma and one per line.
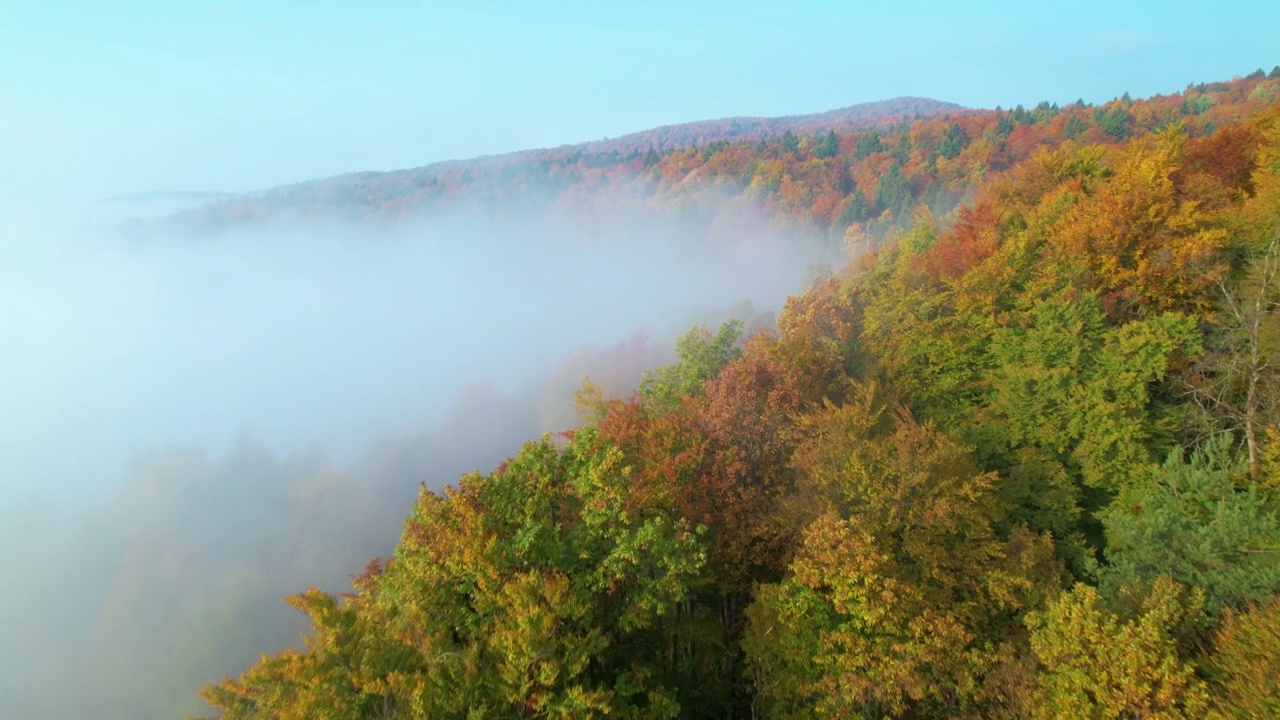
(851,175)
(665,138)
(629,149)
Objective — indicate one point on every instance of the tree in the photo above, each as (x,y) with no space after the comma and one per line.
(1067,384)
(854,210)
(1074,126)
(1096,664)
(897,580)
(789,143)
(1238,381)
(902,150)
(893,193)
(1114,122)
(700,357)
(828,146)
(868,144)
(1246,661)
(537,590)
(1194,523)
(954,142)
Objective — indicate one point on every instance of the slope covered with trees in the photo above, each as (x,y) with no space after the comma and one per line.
(1019,459)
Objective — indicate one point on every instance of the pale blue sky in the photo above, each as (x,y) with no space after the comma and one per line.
(112,97)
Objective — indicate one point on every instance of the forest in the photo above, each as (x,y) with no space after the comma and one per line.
(1018,458)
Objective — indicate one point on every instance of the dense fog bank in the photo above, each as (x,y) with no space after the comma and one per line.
(192,427)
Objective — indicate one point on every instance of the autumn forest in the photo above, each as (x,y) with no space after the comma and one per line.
(1017,457)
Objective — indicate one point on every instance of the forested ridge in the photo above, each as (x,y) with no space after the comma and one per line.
(1020,458)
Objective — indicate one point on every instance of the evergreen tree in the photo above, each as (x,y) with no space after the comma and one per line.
(854,210)
(954,142)
(1195,523)
(1114,122)
(827,145)
(867,144)
(1074,126)
(893,193)
(789,142)
(902,150)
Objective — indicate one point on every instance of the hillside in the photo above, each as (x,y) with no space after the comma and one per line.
(1020,458)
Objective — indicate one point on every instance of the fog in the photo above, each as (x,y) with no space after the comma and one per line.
(192,427)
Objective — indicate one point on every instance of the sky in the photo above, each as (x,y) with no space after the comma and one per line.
(107,98)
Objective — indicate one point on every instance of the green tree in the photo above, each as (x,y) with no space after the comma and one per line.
(855,210)
(893,193)
(902,150)
(539,590)
(1074,126)
(1066,383)
(1195,523)
(868,144)
(700,356)
(789,143)
(1098,665)
(954,142)
(1114,122)
(827,145)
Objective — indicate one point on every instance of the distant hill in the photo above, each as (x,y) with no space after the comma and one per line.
(552,169)
(850,175)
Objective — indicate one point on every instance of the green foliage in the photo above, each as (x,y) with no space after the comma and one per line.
(1095,664)
(893,193)
(1006,124)
(1114,122)
(789,143)
(700,357)
(1074,126)
(537,589)
(868,144)
(954,142)
(855,210)
(1196,104)
(902,150)
(827,145)
(1079,391)
(1195,523)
